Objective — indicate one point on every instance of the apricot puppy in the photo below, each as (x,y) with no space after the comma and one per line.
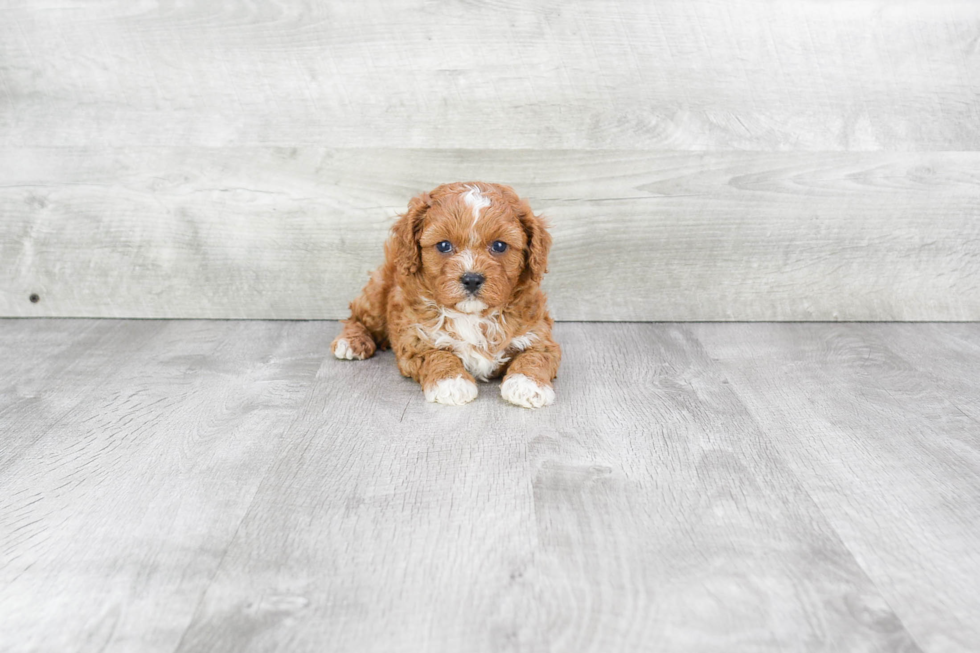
(459,297)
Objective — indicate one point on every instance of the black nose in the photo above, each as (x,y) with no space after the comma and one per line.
(472,281)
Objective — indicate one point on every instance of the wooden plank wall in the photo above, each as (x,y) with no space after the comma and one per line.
(746,160)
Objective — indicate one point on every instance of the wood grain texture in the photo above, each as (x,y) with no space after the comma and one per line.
(747,75)
(292,232)
(164,454)
(884,448)
(229,486)
(947,355)
(750,160)
(48,373)
(389,524)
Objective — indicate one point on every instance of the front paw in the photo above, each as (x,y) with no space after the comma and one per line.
(452,392)
(524,391)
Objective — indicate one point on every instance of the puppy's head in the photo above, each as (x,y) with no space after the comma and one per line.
(471,245)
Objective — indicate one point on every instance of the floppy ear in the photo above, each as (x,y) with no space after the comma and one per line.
(538,243)
(405,236)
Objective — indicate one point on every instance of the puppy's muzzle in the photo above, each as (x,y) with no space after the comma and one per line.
(472,282)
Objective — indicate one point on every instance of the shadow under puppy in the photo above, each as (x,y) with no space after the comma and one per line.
(459,297)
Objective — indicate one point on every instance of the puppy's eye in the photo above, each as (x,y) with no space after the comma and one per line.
(444,246)
(498,247)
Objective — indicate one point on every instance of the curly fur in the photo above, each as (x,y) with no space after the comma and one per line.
(442,335)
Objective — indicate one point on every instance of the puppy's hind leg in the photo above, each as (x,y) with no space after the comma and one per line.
(366,329)
(354,342)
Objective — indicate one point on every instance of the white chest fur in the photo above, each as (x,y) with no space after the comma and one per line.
(479,342)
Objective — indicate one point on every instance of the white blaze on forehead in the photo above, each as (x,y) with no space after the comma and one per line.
(476,201)
(467,259)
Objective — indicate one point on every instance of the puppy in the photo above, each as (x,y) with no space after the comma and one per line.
(459,298)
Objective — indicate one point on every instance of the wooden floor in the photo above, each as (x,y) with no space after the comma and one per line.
(229,486)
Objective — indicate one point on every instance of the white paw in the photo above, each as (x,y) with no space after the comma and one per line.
(343,351)
(521,390)
(452,392)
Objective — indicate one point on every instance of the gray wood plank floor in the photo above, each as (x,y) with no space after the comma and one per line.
(227,486)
